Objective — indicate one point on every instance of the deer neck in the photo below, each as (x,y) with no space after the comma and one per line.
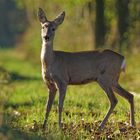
(47,53)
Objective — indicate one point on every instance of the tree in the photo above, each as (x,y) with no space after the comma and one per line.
(98,25)
(100,30)
(123,23)
(13,21)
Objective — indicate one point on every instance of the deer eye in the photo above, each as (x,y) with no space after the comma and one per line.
(53,29)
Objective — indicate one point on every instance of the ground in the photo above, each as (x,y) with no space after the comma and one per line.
(23,96)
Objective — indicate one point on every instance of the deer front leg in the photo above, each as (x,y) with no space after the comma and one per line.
(52,93)
(129,97)
(62,92)
(113,102)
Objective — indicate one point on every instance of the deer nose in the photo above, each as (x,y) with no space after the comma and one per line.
(46,37)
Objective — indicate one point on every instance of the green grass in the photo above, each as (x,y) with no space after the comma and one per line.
(23,102)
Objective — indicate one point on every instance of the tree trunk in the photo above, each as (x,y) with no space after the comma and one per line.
(123,24)
(99,24)
(90,7)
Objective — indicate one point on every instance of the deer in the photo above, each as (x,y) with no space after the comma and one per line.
(60,69)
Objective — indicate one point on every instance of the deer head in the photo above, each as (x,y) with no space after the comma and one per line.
(49,27)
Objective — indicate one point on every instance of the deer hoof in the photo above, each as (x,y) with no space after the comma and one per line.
(101,127)
(44,125)
(60,125)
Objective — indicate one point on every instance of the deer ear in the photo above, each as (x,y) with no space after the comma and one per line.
(41,16)
(60,18)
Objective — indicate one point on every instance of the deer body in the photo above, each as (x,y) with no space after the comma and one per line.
(83,67)
(60,69)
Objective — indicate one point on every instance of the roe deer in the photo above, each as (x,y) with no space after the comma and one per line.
(60,69)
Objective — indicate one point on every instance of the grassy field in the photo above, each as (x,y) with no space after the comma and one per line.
(23,97)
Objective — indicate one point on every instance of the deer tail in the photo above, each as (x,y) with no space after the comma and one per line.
(123,65)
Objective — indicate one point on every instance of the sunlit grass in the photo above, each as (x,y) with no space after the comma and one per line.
(24,102)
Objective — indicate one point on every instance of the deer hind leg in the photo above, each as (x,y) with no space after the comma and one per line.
(52,92)
(113,102)
(128,96)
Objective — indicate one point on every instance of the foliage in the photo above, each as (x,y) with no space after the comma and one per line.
(78,29)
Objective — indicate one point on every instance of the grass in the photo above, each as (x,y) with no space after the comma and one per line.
(24,96)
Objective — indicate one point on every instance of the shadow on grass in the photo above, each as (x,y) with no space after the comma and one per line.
(17,105)
(7,133)
(7,77)
(29,103)
(17,77)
